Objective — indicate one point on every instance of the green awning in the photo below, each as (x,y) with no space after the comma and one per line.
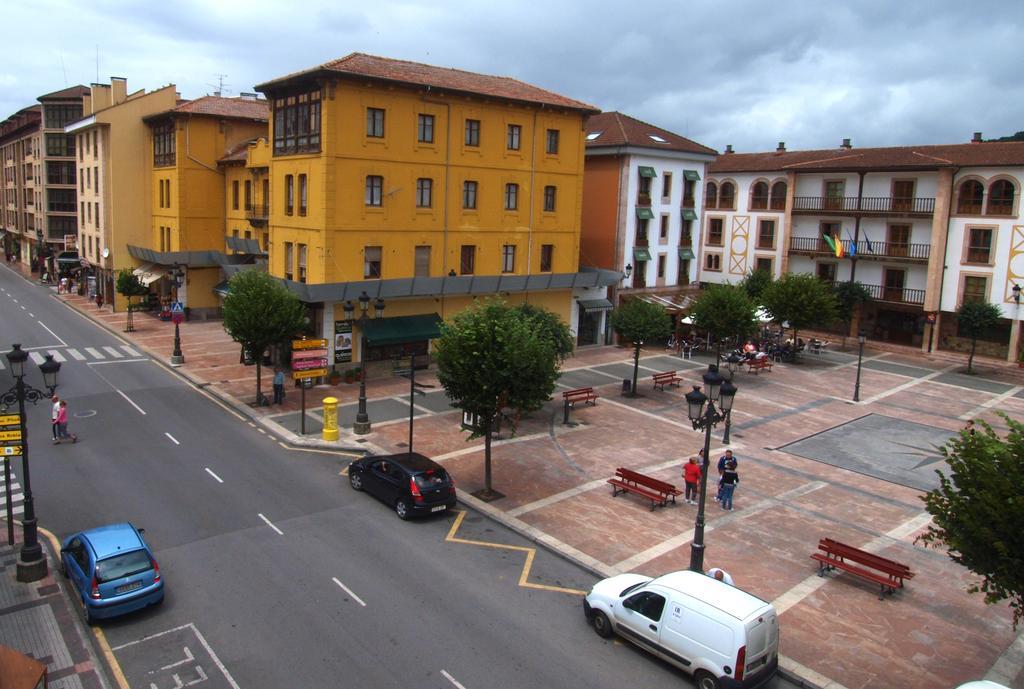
(388,331)
(221,288)
(595,305)
(644,213)
(647,171)
(689,214)
(686,253)
(641,254)
(691,175)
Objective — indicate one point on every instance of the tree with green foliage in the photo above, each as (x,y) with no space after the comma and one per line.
(802,300)
(638,321)
(260,312)
(977,511)
(129,285)
(974,318)
(849,297)
(550,325)
(755,283)
(726,311)
(491,357)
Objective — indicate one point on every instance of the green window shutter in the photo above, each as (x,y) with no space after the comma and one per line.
(647,171)
(686,253)
(691,175)
(689,214)
(641,254)
(644,213)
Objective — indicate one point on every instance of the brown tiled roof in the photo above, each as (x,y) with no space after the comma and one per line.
(237,153)
(617,129)
(245,108)
(413,73)
(69,93)
(896,157)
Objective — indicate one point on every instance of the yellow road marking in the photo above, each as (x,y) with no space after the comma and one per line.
(524,577)
(101,640)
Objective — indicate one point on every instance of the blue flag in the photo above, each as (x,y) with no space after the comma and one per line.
(870,250)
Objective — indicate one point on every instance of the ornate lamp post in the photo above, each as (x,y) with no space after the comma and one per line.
(703,415)
(860,357)
(732,362)
(177,276)
(31,563)
(362,422)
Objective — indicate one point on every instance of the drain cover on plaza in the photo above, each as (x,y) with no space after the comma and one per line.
(891,449)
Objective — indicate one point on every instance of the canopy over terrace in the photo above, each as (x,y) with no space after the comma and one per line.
(673,303)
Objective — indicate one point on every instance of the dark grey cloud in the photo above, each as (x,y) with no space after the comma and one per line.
(743,72)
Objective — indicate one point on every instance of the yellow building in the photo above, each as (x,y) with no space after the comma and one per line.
(113,179)
(188,194)
(426,187)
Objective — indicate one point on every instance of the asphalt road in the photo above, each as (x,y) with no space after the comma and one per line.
(278,574)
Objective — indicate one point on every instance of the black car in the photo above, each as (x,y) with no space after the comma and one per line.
(411,483)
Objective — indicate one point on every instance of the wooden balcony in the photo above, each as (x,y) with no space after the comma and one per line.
(888,251)
(896,295)
(868,205)
(643,199)
(258,215)
(688,202)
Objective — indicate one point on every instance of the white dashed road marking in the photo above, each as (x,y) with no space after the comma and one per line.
(347,590)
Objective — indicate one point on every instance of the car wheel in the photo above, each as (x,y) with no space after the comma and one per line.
(601,624)
(89,618)
(355,480)
(705,680)
(402,508)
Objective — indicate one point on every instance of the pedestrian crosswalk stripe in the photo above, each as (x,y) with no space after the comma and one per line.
(114,353)
(57,356)
(94,353)
(37,357)
(76,354)
(131,350)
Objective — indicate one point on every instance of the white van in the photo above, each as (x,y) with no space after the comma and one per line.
(725,637)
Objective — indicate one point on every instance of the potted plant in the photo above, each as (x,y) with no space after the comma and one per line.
(334,377)
(352,375)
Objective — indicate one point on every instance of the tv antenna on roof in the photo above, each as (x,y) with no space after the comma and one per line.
(220,85)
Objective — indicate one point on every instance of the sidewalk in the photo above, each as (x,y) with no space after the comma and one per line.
(812,463)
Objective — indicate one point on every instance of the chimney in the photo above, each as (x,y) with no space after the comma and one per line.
(977,138)
(846,144)
(728,148)
(781,148)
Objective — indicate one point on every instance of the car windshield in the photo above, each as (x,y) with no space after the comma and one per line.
(432,478)
(123,565)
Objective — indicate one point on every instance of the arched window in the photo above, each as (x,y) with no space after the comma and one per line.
(969,198)
(1000,198)
(711,197)
(759,196)
(778,202)
(727,196)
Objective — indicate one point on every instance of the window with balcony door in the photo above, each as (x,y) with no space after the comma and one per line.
(778,197)
(289,194)
(727,196)
(716,231)
(289,260)
(979,245)
(975,289)
(467,259)
(642,232)
(303,194)
(835,191)
(1000,198)
(422,262)
(689,186)
(547,253)
(970,197)
(644,191)
(508,258)
(371,262)
(766,234)
(234,195)
(894,281)
(711,196)
(662,260)
(829,229)
(903,195)
(302,262)
(686,233)
(549,199)
(826,272)
(759,196)
(898,237)
(248,195)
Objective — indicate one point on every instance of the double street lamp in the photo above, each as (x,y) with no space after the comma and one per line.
(705,416)
(362,423)
(860,358)
(31,563)
(732,363)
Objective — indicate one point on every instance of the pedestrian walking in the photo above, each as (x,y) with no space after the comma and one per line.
(62,424)
(722,461)
(969,427)
(730,479)
(721,575)
(54,413)
(278,386)
(691,475)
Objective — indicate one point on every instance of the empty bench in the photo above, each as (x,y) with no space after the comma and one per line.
(657,491)
(666,378)
(758,365)
(888,574)
(585,395)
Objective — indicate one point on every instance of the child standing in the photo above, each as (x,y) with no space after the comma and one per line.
(730,479)
(691,474)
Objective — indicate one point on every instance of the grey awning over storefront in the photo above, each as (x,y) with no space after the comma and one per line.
(149,273)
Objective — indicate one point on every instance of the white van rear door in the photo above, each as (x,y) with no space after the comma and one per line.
(762,640)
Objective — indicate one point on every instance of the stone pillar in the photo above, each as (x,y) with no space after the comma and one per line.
(937,257)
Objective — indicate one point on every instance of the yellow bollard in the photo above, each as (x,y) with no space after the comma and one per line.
(330,418)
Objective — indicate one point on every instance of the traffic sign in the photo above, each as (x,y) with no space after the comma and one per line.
(309,344)
(308,364)
(10,435)
(10,420)
(12,450)
(177,307)
(311,373)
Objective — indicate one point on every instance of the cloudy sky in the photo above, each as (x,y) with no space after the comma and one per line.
(750,74)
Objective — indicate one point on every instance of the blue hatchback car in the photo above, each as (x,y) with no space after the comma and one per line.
(113,570)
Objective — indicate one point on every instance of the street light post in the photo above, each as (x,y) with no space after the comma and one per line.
(704,416)
(177,358)
(732,363)
(31,563)
(362,422)
(860,358)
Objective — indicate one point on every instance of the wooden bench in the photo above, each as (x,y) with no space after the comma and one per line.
(666,378)
(888,574)
(758,365)
(657,491)
(585,395)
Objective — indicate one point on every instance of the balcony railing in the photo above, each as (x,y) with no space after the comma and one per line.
(688,202)
(899,295)
(865,249)
(641,239)
(258,215)
(643,199)
(867,204)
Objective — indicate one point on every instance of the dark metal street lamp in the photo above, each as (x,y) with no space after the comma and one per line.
(362,423)
(178,276)
(31,563)
(860,358)
(703,415)
(732,362)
